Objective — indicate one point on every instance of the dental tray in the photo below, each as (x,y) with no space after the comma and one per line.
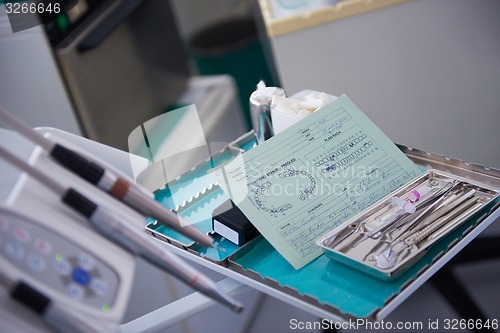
(387,238)
(325,287)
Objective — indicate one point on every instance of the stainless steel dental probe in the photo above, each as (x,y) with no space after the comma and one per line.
(387,228)
(388,257)
(343,234)
(111,225)
(108,181)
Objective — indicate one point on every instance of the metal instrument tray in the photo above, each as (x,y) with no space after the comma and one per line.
(387,249)
(333,291)
(346,293)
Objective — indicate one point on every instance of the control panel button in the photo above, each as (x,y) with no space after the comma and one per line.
(36,262)
(75,291)
(86,262)
(14,250)
(62,267)
(99,287)
(80,276)
(21,235)
(42,246)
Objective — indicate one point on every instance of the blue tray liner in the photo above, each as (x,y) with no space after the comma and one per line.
(228,248)
(248,145)
(200,212)
(352,292)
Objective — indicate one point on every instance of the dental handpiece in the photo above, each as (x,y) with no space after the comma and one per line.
(108,181)
(114,226)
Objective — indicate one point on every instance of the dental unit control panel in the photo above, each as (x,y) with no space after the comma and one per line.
(60,264)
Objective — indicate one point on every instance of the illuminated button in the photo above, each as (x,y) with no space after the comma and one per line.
(62,22)
(86,262)
(14,250)
(75,291)
(4,225)
(62,267)
(36,262)
(43,246)
(80,276)
(21,235)
(99,287)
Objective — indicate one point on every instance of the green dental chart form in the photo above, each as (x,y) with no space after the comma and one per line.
(307,180)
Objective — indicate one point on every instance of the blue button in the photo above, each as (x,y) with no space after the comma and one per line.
(80,276)
(36,262)
(14,250)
